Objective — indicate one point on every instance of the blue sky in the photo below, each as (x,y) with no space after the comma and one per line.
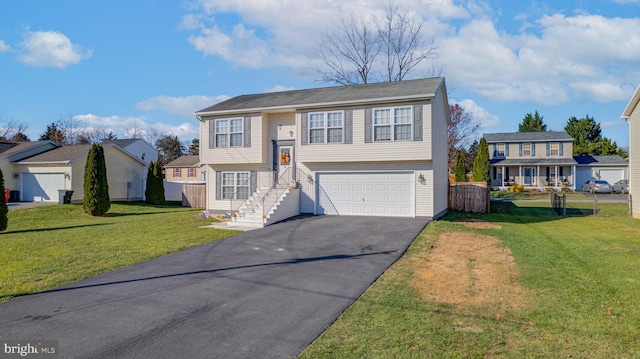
(149,64)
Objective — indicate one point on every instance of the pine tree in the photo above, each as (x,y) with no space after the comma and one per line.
(459,170)
(481,163)
(4,219)
(154,194)
(96,200)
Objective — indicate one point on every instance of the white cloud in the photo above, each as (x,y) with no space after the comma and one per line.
(480,115)
(181,106)
(50,49)
(279,88)
(124,126)
(4,47)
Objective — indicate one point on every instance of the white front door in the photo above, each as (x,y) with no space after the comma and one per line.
(285,161)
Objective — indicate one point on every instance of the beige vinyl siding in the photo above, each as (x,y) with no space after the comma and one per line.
(374,151)
(122,169)
(264,178)
(440,168)
(282,126)
(541,150)
(307,188)
(230,155)
(7,172)
(634,160)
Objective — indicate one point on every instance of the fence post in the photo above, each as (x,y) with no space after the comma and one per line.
(595,204)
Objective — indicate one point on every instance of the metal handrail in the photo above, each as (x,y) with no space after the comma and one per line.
(275,189)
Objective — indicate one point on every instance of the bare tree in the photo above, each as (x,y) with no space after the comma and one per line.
(12,130)
(462,131)
(351,52)
(402,42)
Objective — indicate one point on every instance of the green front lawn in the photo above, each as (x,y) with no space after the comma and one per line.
(52,245)
(580,275)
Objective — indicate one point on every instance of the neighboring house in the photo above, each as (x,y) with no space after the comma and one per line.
(531,159)
(137,147)
(42,175)
(374,149)
(632,114)
(544,159)
(185,169)
(14,151)
(608,168)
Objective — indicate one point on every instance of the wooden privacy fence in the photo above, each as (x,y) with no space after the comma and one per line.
(194,195)
(470,197)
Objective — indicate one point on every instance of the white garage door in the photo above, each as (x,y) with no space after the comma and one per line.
(369,194)
(612,176)
(41,186)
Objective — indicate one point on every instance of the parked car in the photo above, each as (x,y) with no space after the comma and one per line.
(621,186)
(597,186)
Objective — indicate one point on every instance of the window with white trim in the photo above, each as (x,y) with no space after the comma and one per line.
(393,124)
(235,185)
(526,149)
(554,149)
(500,148)
(326,127)
(229,132)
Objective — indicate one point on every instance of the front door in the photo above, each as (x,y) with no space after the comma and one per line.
(529,176)
(285,161)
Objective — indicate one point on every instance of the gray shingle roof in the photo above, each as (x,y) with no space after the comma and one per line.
(527,136)
(424,88)
(60,154)
(121,143)
(601,160)
(533,162)
(184,161)
(7,148)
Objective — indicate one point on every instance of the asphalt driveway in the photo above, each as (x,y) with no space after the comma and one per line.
(265,293)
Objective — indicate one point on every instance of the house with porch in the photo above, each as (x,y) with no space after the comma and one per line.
(532,159)
(373,149)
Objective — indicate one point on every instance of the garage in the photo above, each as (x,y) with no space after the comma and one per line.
(41,186)
(612,175)
(583,174)
(365,193)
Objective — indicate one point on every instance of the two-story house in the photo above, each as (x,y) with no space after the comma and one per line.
(373,149)
(532,159)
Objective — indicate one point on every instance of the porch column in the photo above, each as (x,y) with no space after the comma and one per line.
(535,178)
(502,176)
(556,181)
(520,175)
(573,177)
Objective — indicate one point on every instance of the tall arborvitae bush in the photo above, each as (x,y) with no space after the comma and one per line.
(96,200)
(4,219)
(459,171)
(154,194)
(481,163)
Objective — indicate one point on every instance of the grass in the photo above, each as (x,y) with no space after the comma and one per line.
(48,246)
(534,195)
(580,271)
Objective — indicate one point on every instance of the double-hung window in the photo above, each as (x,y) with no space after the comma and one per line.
(229,132)
(192,172)
(500,150)
(554,149)
(526,149)
(392,124)
(176,172)
(235,185)
(326,127)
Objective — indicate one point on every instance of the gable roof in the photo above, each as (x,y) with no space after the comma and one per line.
(9,148)
(123,142)
(67,154)
(528,136)
(633,103)
(601,160)
(329,96)
(184,161)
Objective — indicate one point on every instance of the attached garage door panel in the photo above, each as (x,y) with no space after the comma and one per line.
(376,194)
(42,186)
(612,176)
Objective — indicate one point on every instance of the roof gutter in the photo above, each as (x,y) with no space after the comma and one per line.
(199,115)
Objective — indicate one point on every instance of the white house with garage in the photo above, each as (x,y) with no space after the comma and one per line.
(632,115)
(373,150)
